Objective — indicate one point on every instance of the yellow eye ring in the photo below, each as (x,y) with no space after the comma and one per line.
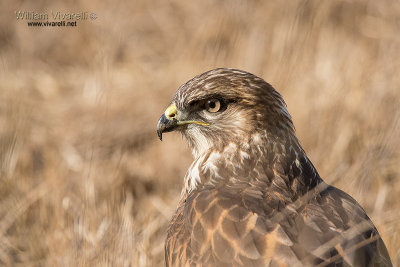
(213,105)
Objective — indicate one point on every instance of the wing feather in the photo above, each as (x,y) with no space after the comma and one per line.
(222,231)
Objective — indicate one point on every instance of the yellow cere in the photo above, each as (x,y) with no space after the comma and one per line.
(171,111)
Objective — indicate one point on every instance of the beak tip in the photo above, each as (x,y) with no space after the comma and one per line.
(165,125)
(159,131)
(161,126)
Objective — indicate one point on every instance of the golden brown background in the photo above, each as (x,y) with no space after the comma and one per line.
(84,181)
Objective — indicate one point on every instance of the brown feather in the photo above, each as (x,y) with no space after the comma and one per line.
(252,197)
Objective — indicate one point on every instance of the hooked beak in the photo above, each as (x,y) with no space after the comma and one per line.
(169,121)
(165,125)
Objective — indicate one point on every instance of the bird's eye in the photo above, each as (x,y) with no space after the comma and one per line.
(213,105)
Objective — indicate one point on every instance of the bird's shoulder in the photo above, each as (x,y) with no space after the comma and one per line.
(337,229)
(220,227)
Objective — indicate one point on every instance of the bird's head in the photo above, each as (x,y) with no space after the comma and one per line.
(226,105)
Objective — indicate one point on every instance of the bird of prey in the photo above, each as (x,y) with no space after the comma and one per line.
(252,197)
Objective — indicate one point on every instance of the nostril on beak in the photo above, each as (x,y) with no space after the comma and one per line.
(171,112)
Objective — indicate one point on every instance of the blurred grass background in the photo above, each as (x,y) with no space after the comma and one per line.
(84,181)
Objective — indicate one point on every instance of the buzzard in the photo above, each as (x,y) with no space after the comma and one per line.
(252,197)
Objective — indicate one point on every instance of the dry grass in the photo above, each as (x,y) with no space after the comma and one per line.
(84,180)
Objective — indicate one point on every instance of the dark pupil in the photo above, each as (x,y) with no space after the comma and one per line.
(211,104)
